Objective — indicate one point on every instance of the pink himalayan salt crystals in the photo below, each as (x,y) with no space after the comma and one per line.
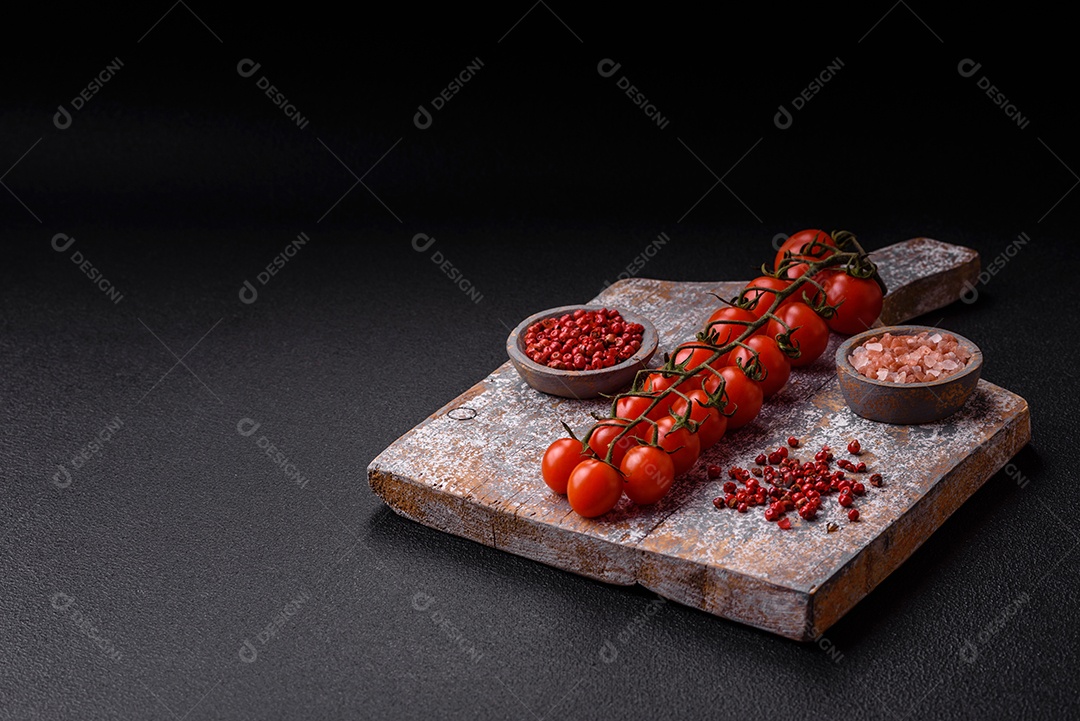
(920,358)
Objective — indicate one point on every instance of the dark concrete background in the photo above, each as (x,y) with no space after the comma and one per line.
(540,181)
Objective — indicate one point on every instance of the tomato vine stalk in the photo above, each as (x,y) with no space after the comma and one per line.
(847,253)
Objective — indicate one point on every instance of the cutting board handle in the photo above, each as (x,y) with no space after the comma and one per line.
(924,275)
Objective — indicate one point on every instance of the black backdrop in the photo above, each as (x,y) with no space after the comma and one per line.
(130,586)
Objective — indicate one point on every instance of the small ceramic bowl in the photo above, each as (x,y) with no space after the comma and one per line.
(906,403)
(579,384)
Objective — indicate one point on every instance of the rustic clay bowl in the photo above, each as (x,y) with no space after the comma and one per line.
(579,384)
(906,403)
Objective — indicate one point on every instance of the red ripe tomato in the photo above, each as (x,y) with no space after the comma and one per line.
(697,381)
(632,407)
(744,396)
(656,383)
(606,432)
(648,472)
(560,460)
(696,360)
(773,361)
(683,446)
(811,336)
(859,301)
(711,423)
(725,323)
(762,292)
(594,488)
(797,243)
(695,354)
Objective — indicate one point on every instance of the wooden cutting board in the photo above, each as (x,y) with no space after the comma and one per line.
(473,469)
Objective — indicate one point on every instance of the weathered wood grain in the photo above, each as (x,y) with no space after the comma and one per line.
(480,478)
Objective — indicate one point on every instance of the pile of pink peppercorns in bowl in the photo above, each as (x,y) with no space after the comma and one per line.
(583,340)
(581,351)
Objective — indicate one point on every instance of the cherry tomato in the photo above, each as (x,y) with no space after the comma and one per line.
(695,355)
(656,383)
(594,488)
(560,460)
(649,473)
(763,293)
(811,336)
(859,300)
(797,243)
(711,423)
(774,362)
(724,322)
(683,446)
(744,396)
(632,407)
(695,382)
(606,432)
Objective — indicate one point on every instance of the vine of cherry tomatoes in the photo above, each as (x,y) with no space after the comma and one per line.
(718,382)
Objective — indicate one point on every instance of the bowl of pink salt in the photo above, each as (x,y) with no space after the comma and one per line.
(907,374)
